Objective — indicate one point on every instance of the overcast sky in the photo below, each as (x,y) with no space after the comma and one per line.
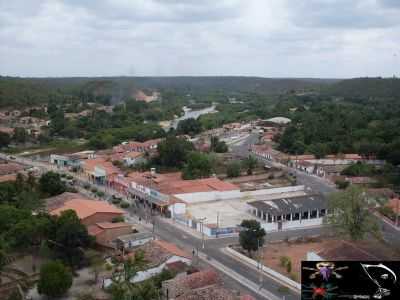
(269,38)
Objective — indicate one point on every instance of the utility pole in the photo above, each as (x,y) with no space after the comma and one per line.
(397,212)
(216,234)
(202,231)
(260,256)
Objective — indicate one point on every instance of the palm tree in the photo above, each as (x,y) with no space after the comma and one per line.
(122,286)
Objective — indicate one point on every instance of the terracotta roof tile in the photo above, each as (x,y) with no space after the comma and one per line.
(110,225)
(94,230)
(85,208)
(172,248)
(9,168)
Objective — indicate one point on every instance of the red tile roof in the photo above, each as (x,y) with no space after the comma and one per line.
(172,183)
(172,248)
(10,168)
(110,225)
(200,279)
(98,228)
(85,208)
(94,230)
(7,178)
(394,204)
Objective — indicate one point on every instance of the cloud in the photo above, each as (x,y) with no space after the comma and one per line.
(361,14)
(272,38)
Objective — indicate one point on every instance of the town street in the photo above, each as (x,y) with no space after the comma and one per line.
(239,273)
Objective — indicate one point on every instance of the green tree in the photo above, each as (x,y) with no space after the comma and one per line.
(122,287)
(50,183)
(69,237)
(251,235)
(198,165)
(250,163)
(189,126)
(173,152)
(217,145)
(350,215)
(55,279)
(233,169)
(20,135)
(29,200)
(5,139)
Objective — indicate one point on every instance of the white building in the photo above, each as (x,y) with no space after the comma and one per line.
(289,212)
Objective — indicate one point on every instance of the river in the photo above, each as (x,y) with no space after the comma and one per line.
(189,113)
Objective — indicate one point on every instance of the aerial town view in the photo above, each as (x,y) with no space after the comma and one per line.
(199,150)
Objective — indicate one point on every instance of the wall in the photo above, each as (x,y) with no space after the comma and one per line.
(177,209)
(111,234)
(292,224)
(147,274)
(99,217)
(208,196)
(136,243)
(286,189)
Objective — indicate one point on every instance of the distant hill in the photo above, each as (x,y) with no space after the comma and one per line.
(15,91)
(365,88)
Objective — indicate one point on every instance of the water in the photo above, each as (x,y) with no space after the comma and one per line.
(192,114)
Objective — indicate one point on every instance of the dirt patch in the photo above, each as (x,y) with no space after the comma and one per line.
(331,249)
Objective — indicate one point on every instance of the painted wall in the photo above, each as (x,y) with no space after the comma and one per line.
(208,196)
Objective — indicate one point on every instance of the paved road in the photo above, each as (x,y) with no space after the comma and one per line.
(241,275)
(316,184)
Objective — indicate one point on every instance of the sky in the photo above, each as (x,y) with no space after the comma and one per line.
(268,38)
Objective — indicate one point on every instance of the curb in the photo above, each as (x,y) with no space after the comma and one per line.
(276,276)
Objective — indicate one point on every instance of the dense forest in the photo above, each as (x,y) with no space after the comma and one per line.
(20,92)
(328,116)
(367,124)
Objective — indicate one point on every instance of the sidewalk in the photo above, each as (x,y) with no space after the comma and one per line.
(386,220)
(239,278)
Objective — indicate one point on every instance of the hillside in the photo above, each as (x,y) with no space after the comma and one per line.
(31,91)
(365,88)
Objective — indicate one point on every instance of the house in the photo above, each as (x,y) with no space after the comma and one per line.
(8,130)
(158,255)
(289,212)
(128,158)
(185,283)
(99,169)
(8,168)
(133,146)
(65,160)
(133,240)
(394,204)
(107,232)
(90,212)
(200,285)
(97,216)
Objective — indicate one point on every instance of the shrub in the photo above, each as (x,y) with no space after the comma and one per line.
(93,190)
(63,175)
(86,186)
(118,219)
(289,266)
(116,200)
(55,279)
(100,194)
(69,177)
(283,261)
(233,169)
(283,289)
(341,184)
(124,204)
